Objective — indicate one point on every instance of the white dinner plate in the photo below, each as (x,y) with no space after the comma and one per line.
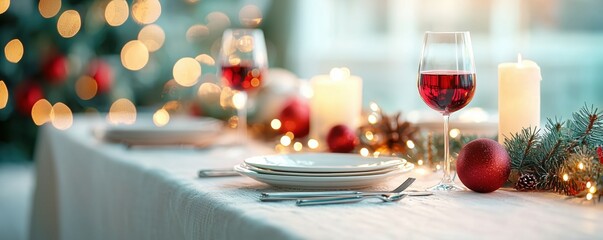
(321,174)
(179,130)
(304,182)
(323,162)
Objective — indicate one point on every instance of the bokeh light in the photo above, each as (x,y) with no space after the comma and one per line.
(4,4)
(161,117)
(41,111)
(187,71)
(49,8)
(455,132)
(69,23)
(205,59)
(86,87)
(61,116)
(134,55)
(13,51)
(122,111)
(217,21)
(285,140)
(208,88)
(146,11)
(275,124)
(250,16)
(152,36)
(297,146)
(313,144)
(245,44)
(117,12)
(364,152)
(197,33)
(3,94)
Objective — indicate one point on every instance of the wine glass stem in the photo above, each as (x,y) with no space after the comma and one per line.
(447,178)
(242,117)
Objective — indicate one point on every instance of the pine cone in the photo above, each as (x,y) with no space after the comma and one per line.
(527,182)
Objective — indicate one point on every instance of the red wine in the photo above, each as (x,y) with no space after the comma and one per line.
(446,91)
(242,77)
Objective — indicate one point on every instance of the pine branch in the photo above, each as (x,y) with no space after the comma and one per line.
(521,148)
(586,128)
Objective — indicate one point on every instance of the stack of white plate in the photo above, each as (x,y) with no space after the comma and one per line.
(179,130)
(322,170)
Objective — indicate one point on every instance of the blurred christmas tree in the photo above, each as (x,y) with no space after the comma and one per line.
(84,55)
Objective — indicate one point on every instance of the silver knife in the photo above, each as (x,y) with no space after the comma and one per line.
(284,196)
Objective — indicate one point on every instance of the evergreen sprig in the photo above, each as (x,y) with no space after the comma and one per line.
(563,148)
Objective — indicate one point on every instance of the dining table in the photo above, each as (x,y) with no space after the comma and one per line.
(90,188)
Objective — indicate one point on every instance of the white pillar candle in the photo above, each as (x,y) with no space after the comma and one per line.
(336,99)
(518,97)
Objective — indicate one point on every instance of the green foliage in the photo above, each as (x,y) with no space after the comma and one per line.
(565,147)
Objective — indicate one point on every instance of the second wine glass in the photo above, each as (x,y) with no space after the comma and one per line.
(446,83)
(243,63)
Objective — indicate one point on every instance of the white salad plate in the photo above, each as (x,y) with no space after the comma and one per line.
(327,182)
(321,174)
(323,162)
(179,130)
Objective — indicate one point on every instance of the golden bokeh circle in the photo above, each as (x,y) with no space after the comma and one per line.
(41,111)
(161,117)
(4,4)
(49,8)
(186,71)
(152,36)
(134,55)
(146,11)
(250,16)
(122,111)
(13,51)
(208,88)
(205,59)
(86,87)
(245,43)
(61,116)
(69,23)
(3,94)
(197,32)
(117,12)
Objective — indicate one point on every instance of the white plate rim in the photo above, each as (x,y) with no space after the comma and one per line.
(320,174)
(369,163)
(344,182)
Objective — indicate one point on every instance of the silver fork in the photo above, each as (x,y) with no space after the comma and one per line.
(354,199)
(280,196)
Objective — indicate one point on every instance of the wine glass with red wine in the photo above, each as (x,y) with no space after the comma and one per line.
(446,84)
(243,64)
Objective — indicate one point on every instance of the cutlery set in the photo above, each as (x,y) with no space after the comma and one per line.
(337,197)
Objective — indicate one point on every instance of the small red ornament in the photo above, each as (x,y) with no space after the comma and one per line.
(600,154)
(341,139)
(295,118)
(56,69)
(102,73)
(27,94)
(483,165)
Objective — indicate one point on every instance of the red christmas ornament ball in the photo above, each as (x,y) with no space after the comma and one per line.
(56,69)
(483,165)
(102,73)
(295,118)
(341,139)
(26,95)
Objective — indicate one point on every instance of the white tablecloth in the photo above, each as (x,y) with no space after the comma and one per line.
(89,189)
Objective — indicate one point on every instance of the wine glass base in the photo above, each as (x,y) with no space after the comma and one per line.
(446,187)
